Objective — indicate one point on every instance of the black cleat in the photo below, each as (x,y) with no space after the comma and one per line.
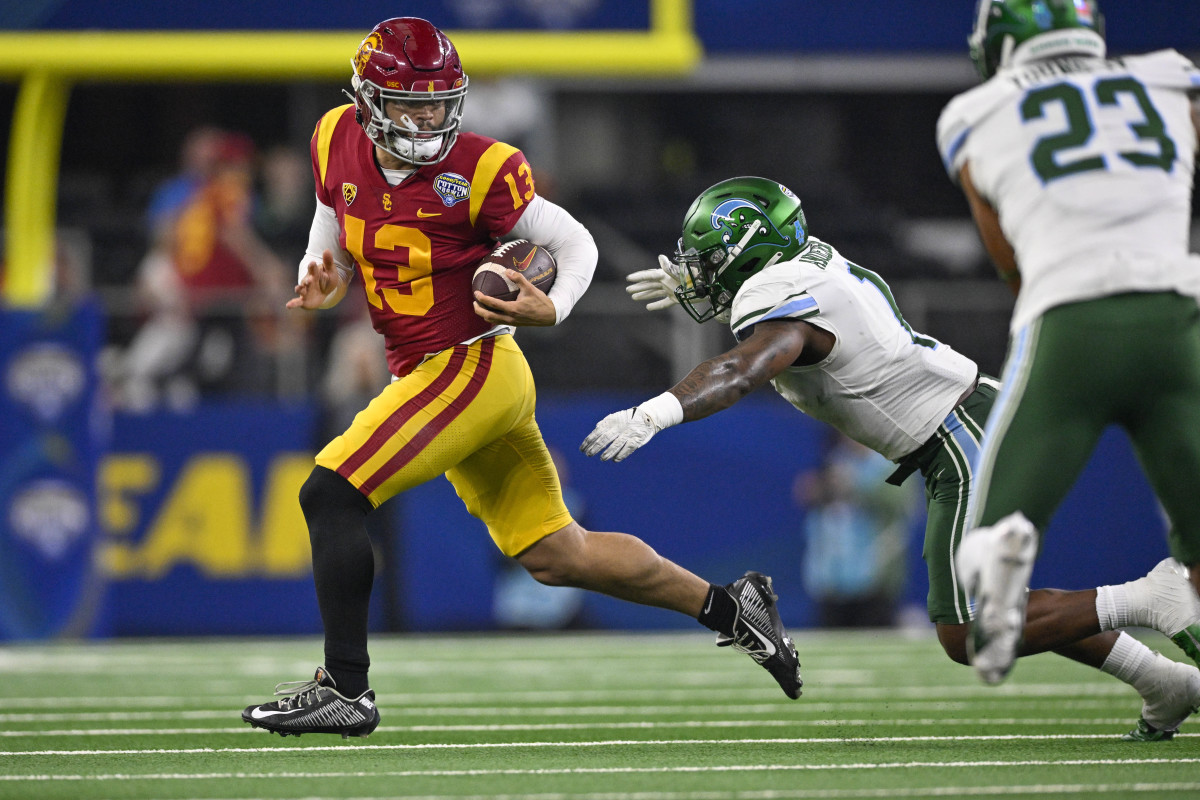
(315,706)
(759,633)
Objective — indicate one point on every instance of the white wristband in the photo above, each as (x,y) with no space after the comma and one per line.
(662,411)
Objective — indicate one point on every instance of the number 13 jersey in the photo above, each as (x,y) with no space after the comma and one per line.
(417,244)
(1088,163)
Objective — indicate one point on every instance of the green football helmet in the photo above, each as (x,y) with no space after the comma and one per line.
(1011,31)
(734,230)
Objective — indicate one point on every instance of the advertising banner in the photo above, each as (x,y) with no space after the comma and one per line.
(53,430)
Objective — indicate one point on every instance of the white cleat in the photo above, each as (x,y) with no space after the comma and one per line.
(1174,697)
(995,564)
(1173,608)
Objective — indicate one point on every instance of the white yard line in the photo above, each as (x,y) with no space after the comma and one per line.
(586,726)
(441,773)
(453,700)
(277,750)
(1085,789)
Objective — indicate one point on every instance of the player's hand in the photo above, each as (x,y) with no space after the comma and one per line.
(319,282)
(619,434)
(654,287)
(532,307)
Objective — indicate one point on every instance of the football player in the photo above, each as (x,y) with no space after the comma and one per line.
(828,335)
(412,203)
(1078,170)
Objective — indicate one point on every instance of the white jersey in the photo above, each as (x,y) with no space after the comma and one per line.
(883,384)
(1088,163)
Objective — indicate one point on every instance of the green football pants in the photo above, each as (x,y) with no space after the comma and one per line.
(1131,360)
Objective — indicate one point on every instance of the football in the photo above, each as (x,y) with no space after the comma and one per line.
(520,255)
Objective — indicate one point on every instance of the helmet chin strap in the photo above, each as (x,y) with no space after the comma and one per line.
(1007,45)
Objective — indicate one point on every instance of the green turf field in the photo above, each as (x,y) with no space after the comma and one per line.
(593,717)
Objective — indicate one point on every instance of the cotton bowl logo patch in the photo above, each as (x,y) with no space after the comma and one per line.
(452,188)
(1083,12)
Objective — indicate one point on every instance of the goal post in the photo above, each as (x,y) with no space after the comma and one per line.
(667,47)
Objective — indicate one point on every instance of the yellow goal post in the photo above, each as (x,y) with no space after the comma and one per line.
(669,46)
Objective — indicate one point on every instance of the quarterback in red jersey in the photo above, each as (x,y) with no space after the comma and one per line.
(412,204)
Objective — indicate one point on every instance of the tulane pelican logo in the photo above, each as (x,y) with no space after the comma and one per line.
(734,216)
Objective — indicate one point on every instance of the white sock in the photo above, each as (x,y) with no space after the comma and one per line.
(1130,661)
(1162,600)
(1117,606)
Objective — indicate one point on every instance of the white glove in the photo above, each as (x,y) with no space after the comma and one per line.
(622,432)
(654,285)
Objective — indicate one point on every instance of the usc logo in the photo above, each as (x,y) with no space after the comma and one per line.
(371,44)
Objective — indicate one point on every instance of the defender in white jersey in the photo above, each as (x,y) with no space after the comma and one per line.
(1078,171)
(829,337)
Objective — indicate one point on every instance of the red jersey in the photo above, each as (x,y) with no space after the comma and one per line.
(417,244)
(202,259)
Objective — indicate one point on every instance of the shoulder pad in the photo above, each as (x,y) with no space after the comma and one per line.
(323,135)
(1165,68)
(962,114)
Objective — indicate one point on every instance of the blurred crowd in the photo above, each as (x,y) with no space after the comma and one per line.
(224,236)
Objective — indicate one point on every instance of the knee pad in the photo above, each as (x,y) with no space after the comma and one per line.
(326,491)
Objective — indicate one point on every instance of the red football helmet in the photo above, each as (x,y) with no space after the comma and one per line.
(407,59)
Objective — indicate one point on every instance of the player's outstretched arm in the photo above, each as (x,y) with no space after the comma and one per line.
(531,307)
(321,286)
(723,380)
(712,386)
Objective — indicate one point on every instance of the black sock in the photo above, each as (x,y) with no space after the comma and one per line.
(343,571)
(351,681)
(720,610)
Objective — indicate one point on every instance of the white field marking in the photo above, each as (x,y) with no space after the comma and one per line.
(459,773)
(276,751)
(808,794)
(411,662)
(739,709)
(453,700)
(637,672)
(589,726)
(611,644)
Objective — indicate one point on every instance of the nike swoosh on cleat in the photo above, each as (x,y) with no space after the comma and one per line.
(259,713)
(770,646)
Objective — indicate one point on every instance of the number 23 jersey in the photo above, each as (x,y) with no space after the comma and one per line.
(1088,163)
(417,244)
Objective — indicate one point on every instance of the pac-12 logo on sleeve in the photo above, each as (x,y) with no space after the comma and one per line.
(349,192)
(452,188)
